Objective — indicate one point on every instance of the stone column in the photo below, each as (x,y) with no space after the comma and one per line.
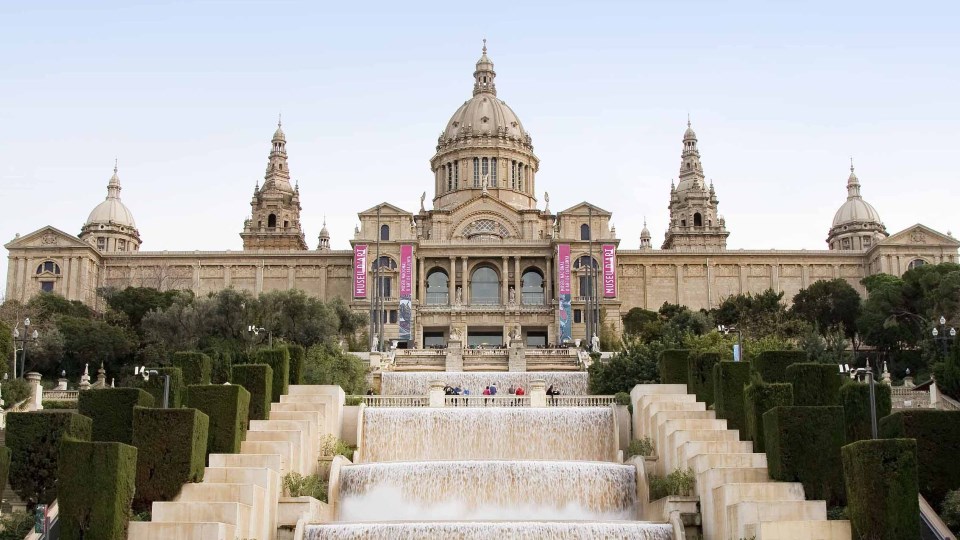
(36,392)
(517,282)
(743,278)
(422,283)
(453,281)
(679,280)
(548,293)
(454,358)
(504,281)
(466,280)
(258,284)
(323,283)
(437,397)
(538,393)
(291,276)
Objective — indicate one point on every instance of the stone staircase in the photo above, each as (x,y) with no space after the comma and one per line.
(738,500)
(239,496)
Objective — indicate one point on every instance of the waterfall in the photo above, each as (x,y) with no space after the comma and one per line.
(429,434)
(556,530)
(403,383)
(488,490)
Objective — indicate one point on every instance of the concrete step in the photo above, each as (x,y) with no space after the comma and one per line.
(804,530)
(710,479)
(726,495)
(232,513)
(704,462)
(742,515)
(270,461)
(297,440)
(149,530)
(264,477)
(690,449)
(310,440)
(653,407)
(283,449)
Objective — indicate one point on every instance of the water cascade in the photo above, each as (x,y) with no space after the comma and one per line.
(488,490)
(402,383)
(450,433)
(556,530)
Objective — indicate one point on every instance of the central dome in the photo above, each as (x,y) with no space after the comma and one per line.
(484,115)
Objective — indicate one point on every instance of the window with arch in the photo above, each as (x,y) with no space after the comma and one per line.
(385,288)
(476,172)
(49,267)
(493,172)
(384,263)
(697,220)
(449,178)
(532,283)
(384,232)
(583,262)
(438,287)
(484,286)
(272,220)
(485,167)
(456,174)
(916,263)
(513,174)
(584,232)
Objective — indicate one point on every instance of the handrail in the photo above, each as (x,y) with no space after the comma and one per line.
(396,401)
(580,401)
(487,401)
(61,395)
(933,522)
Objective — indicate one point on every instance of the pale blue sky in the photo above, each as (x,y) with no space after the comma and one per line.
(186,95)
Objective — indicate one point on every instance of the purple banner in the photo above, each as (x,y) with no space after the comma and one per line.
(360,271)
(609,270)
(565,311)
(406,292)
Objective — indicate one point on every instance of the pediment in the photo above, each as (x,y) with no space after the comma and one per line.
(386,209)
(919,235)
(485,217)
(584,208)
(47,238)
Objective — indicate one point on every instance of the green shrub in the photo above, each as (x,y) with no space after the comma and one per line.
(297,485)
(97,481)
(700,375)
(881,480)
(640,447)
(673,366)
(729,380)
(59,405)
(34,441)
(855,399)
(814,384)
(331,445)
(172,445)
(950,510)
(15,525)
(679,482)
(15,391)
(758,398)
(621,398)
(772,365)
(154,386)
(196,366)
(938,447)
(220,365)
(258,380)
(228,407)
(353,401)
(298,363)
(803,445)
(111,410)
(4,465)
(279,361)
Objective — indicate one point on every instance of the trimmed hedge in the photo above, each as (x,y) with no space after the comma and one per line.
(97,481)
(196,366)
(673,366)
(700,375)
(111,410)
(758,398)
(772,365)
(938,448)
(4,465)
(258,380)
(881,479)
(298,363)
(172,446)
(279,360)
(814,384)
(803,445)
(155,386)
(855,399)
(228,407)
(34,441)
(729,380)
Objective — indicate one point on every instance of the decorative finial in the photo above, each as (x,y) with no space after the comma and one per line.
(324,220)
(279,119)
(484,45)
(688,119)
(851,163)
(644,221)
(115,163)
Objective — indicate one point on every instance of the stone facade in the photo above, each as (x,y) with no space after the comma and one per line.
(484,252)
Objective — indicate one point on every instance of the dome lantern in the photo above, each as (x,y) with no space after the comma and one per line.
(857,224)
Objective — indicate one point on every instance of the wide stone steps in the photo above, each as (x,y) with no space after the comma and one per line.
(737,497)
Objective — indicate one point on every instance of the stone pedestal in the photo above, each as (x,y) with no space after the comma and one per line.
(36,392)
(437,396)
(61,383)
(454,355)
(517,359)
(538,393)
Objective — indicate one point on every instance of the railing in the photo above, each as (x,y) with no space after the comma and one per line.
(421,352)
(500,353)
(396,401)
(579,401)
(486,401)
(533,353)
(499,400)
(61,395)
(947,403)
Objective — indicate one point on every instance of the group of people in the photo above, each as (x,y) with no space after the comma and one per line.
(488,391)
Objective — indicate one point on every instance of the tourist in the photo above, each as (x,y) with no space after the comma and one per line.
(513,392)
(493,389)
(486,393)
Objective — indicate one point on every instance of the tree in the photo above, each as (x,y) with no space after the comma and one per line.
(328,364)
(6,347)
(635,364)
(91,341)
(757,315)
(642,323)
(830,306)
(136,302)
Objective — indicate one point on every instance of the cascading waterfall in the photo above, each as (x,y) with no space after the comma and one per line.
(450,433)
(401,383)
(488,490)
(486,530)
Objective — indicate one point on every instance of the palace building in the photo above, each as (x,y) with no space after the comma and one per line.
(482,258)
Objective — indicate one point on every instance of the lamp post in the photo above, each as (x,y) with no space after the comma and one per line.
(942,335)
(22,341)
(145,372)
(868,371)
(256,331)
(738,351)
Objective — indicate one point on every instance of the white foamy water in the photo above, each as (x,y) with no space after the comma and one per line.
(430,434)
(418,383)
(489,530)
(488,490)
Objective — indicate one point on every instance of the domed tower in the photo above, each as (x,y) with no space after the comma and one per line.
(110,226)
(275,217)
(484,149)
(645,239)
(694,222)
(324,244)
(856,225)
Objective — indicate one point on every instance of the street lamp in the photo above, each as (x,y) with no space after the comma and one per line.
(256,331)
(738,348)
(27,338)
(942,335)
(144,372)
(868,371)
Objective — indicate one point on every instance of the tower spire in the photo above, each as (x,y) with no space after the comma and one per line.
(484,75)
(853,184)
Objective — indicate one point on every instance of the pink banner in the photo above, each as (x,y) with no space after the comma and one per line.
(406,271)
(360,271)
(609,270)
(563,268)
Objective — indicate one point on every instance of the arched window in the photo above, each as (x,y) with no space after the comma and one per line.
(456,174)
(438,287)
(532,281)
(449,178)
(697,220)
(272,220)
(916,263)
(584,262)
(386,281)
(485,170)
(476,172)
(484,286)
(584,232)
(385,263)
(513,174)
(384,232)
(49,267)
(493,172)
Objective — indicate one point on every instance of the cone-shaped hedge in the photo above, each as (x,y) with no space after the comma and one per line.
(111,410)
(882,494)
(96,486)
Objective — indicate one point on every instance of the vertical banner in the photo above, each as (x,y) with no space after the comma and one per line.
(565,313)
(406,292)
(360,271)
(609,270)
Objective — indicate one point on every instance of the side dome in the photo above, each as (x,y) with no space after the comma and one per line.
(112,210)
(110,226)
(857,224)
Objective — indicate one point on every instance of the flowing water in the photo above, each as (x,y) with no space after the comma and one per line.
(488,490)
(430,434)
(418,383)
(533,530)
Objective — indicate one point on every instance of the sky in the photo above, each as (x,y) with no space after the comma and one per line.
(186,95)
